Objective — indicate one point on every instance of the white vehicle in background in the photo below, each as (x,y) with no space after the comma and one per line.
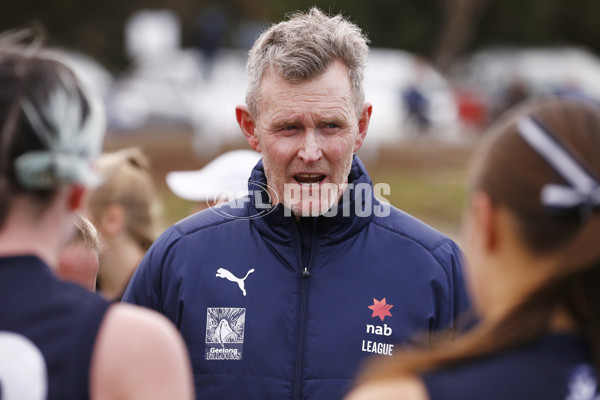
(564,70)
(389,73)
(173,87)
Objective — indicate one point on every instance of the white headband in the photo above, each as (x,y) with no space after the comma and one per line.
(583,192)
(72,142)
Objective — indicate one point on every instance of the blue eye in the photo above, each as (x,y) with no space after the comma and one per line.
(332,125)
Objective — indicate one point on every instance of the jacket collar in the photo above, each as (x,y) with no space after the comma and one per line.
(354,212)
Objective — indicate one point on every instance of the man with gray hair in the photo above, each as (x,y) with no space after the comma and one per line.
(282,294)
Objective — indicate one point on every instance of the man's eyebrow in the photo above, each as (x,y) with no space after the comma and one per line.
(334,119)
(284,122)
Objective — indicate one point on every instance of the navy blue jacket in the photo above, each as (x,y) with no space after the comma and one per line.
(555,367)
(55,320)
(274,309)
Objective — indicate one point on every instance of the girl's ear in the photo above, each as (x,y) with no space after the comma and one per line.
(486,220)
(76,197)
(112,220)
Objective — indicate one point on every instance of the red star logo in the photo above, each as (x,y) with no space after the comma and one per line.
(381,309)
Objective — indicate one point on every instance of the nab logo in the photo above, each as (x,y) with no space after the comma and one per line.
(379,330)
(381,309)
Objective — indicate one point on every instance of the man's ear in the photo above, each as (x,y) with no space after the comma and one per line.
(248,127)
(112,219)
(363,125)
(486,220)
(76,194)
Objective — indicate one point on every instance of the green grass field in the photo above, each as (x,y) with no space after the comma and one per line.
(434,196)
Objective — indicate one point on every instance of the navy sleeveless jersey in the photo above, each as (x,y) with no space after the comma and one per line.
(47,332)
(557,366)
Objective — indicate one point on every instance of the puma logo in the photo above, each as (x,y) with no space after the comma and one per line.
(223,273)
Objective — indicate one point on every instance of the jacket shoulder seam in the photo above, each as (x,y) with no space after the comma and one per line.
(431,249)
(202,227)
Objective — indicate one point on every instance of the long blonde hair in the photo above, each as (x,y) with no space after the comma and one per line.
(128,182)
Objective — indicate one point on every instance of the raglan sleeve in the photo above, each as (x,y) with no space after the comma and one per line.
(458,302)
(146,285)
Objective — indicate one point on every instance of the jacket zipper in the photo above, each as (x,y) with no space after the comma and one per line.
(305,274)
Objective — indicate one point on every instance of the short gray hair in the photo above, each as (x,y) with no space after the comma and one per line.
(303,47)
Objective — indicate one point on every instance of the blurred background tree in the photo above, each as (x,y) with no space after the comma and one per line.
(439,30)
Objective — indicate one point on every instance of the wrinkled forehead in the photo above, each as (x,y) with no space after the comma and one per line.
(273,82)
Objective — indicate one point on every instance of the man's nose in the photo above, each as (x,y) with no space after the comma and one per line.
(310,150)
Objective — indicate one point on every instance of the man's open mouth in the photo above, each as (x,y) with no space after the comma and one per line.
(309,179)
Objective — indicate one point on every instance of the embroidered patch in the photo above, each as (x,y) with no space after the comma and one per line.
(225,333)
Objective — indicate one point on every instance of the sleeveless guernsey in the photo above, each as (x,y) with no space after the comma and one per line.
(48,330)
(556,366)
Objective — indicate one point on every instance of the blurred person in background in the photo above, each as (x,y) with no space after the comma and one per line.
(415,101)
(78,261)
(531,239)
(210,31)
(57,340)
(282,293)
(417,108)
(124,209)
(223,179)
(516,91)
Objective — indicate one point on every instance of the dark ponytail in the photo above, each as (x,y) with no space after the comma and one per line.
(41,103)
